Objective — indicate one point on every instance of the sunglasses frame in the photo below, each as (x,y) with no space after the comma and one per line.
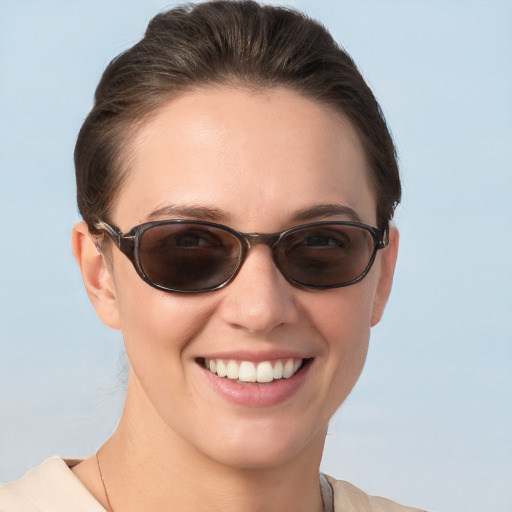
(129,245)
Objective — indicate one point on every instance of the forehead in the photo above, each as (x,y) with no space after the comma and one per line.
(256,156)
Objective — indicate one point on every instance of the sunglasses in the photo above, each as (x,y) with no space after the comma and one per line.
(185,256)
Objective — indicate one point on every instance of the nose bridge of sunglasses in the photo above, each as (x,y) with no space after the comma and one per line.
(269,239)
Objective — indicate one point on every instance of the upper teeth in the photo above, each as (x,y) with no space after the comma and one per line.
(247,371)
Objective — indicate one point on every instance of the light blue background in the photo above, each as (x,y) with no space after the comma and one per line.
(430,421)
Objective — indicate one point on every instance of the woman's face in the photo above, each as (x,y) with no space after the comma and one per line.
(257,162)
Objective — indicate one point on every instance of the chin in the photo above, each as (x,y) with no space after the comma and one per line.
(267,447)
(257,457)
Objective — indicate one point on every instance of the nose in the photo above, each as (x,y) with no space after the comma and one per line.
(259,299)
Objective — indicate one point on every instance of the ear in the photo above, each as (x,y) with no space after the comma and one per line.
(96,274)
(387,269)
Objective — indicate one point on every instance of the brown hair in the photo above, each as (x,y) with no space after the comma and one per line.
(224,42)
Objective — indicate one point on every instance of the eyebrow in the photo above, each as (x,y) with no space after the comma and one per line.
(193,211)
(213,214)
(326,210)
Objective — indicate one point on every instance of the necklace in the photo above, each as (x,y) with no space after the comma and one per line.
(103,482)
(325,487)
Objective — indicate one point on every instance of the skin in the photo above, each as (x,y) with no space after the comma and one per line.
(254,159)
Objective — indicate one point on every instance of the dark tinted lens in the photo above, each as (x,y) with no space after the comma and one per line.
(188,256)
(325,255)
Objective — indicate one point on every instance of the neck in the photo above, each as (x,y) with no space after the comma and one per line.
(148,467)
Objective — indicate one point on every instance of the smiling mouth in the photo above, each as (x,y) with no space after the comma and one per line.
(263,372)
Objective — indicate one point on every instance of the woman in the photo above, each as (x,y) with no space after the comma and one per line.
(237,180)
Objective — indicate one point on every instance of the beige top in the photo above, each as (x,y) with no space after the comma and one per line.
(53,487)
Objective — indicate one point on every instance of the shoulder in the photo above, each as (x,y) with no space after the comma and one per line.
(348,498)
(49,487)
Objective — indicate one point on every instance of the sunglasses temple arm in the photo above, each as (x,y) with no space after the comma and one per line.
(384,241)
(126,244)
(111,231)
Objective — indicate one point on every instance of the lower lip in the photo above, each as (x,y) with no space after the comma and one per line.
(254,394)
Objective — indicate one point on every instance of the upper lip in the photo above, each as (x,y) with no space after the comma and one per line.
(256,356)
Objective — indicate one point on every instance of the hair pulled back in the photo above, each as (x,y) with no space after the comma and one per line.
(238,43)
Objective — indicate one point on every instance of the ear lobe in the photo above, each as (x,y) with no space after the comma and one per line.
(387,264)
(96,275)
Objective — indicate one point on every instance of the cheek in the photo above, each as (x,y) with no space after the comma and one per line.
(156,325)
(343,318)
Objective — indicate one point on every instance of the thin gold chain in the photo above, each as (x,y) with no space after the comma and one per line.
(103,482)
